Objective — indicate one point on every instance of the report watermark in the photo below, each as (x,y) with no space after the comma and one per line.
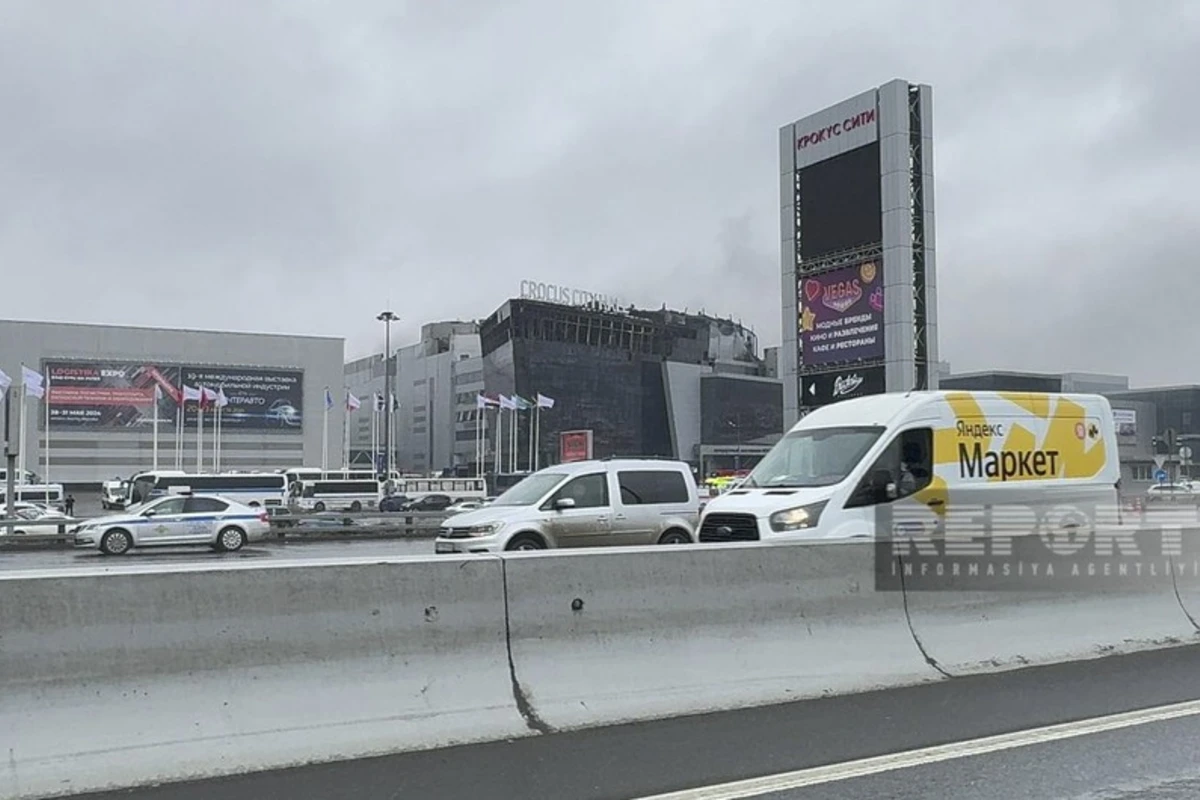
(1033,548)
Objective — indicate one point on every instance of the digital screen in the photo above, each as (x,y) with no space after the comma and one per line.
(841,206)
(737,411)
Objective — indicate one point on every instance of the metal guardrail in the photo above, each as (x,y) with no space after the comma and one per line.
(404,523)
(38,531)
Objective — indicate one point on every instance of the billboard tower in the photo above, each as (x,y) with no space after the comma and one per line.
(858,267)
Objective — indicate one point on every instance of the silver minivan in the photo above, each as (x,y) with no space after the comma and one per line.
(623,501)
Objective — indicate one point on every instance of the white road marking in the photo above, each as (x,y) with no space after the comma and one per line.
(814,776)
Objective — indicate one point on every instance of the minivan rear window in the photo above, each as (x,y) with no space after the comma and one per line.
(652,487)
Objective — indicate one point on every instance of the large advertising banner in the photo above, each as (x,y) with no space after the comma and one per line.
(103,394)
(98,394)
(257,398)
(841,315)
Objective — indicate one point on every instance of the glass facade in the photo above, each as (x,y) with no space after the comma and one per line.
(607,373)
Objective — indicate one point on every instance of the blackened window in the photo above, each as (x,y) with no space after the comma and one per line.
(650,487)
(841,203)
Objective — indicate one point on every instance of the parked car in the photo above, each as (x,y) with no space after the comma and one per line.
(583,504)
(1172,493)
(176,520)
(394,502)
(460,506)
(33,520)
(431,502)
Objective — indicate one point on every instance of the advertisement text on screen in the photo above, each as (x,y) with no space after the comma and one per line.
(850,123)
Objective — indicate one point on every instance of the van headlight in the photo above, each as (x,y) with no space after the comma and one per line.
(797,519)
(482,530)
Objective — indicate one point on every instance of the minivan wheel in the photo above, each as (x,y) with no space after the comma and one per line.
(525,541)
(116,543)
(675,537)
(318,507)
(356,506)
(230,540)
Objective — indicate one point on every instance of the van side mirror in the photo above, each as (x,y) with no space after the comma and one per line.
(563,503)
(883,485)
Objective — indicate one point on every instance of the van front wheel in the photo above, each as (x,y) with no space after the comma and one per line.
(525,541)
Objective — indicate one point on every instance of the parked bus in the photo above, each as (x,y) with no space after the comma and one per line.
(454,488)
(30,477)
(50,494)
(314,474)
(334,495)
(252,489)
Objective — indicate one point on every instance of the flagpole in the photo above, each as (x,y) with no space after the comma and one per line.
(325,432)
(496,437)
(46,402)
(531,426)
(180,410)
(394,456)
(537,435)
(374,432)
(21,434)
(220,429)
(512,440)
(346,436)
(155,445)
(200,434)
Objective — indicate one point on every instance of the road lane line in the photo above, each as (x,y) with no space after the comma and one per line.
(831,773)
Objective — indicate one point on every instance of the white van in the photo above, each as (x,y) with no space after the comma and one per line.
(934,460)
(620,501)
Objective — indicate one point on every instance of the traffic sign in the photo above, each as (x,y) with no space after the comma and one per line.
(1160,475)
(1159,461)
(1185,452)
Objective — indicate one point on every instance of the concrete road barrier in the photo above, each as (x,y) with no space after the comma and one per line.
(608,637)
(126,677)
(1040,617)
(110,680)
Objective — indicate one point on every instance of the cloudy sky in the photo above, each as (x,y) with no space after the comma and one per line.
(297,166)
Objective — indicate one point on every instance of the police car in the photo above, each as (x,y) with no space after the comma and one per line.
(184,519)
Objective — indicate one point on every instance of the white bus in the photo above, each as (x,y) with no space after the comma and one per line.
(253,489)
(30,477)
(314,474)
(51,494)
(335,495)
(454,488)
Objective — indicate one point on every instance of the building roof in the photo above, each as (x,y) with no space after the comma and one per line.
(151,328)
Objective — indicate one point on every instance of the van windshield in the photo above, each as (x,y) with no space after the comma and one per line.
(530,490)
(817,457)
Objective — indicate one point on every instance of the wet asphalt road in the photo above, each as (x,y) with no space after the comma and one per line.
(1156,760)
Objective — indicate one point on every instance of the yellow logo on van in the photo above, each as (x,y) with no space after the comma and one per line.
(1004,449)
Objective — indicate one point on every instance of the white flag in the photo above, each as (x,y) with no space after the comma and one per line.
(544,402)
(222,400)
(33,381)
(5,382)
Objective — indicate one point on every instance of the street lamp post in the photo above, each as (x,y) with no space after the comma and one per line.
(387,318)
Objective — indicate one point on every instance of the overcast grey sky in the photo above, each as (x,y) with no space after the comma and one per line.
(295,166)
